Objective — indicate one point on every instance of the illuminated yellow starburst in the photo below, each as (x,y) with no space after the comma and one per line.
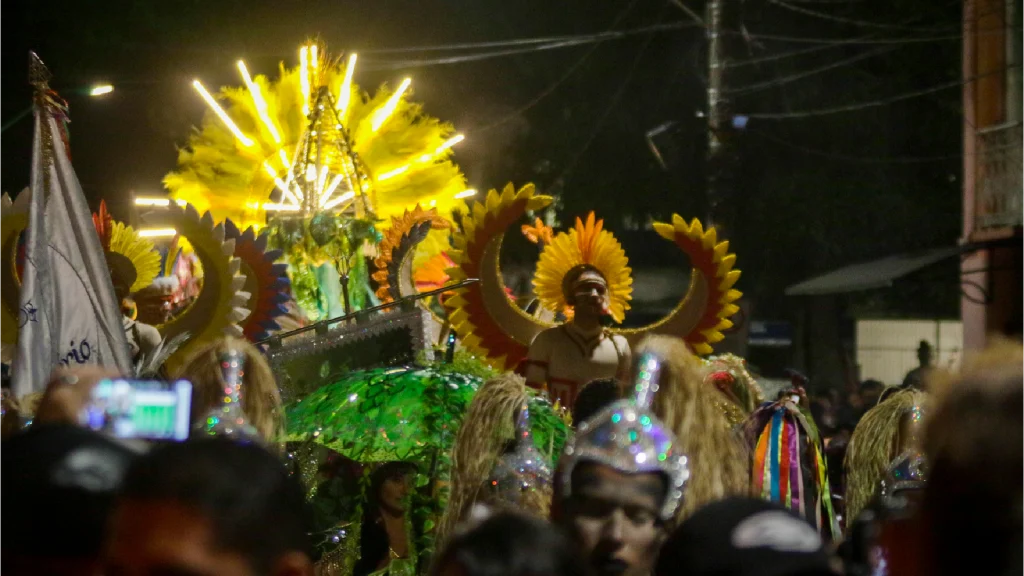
(311,141)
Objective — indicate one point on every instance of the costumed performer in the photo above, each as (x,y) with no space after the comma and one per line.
(260,398)
(485,445)
(620,482)
(585,275)
(886,438)
(719,460)
(133,264)
(886,474)
(788,460)
(582,275)
(740,394)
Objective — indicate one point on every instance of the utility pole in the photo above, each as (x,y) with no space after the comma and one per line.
(722,26)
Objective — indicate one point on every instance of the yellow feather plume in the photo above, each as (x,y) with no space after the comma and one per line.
(217,172)
(125,241)
(589,244)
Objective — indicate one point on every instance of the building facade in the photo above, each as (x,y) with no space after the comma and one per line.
(993,209)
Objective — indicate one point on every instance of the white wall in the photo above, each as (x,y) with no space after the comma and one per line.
(887,349)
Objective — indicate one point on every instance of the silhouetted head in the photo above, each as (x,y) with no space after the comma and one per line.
(593,397)
(58,488)
(509,544)
(210,506)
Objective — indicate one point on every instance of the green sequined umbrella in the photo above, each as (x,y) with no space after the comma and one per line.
(400,413)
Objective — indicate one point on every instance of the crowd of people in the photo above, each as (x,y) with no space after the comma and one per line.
(671,461)
(79,502)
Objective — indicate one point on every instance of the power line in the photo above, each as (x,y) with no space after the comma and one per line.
(607,112)
(781,56)
(561,80)
(527,45)
(686,10)
(812,72)
(854,22)
(476,45)
(607,34)
(854,158)
(398,64)
(878,159)
(873,103)
(566,43)
(847,41)
(865,40)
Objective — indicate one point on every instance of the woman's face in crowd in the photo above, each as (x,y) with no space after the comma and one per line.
(394,490)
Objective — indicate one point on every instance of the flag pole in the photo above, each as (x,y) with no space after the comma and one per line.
(39,75)
(71,314)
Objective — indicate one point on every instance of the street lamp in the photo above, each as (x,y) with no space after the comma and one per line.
(101,89)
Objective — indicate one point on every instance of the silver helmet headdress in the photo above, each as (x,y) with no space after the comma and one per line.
(628,437)
(908,470)
(523,470)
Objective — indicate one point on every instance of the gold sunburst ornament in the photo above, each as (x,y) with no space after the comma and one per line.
(586,244)
(124,243)
(125,240)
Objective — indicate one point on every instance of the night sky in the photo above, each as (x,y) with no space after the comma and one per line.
(151,51)
(811,192)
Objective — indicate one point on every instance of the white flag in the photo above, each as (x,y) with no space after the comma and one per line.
(69,315)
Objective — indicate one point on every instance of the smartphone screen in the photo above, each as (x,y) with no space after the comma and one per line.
(142,409)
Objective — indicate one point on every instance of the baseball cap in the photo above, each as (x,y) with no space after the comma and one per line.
(59,484)
(744,537)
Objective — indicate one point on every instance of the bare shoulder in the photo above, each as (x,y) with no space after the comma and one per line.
(546,335)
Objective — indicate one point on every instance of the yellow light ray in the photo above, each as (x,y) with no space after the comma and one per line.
(466,193)
(449,143)
(269,170)
(304,78)
(101,90)
(321,180)
(275,207)
(426,158)
(315,61)
(285,187)
(284,158)
(343,198)
(330,190)
(381,116)
(144,201)
(345,94)
(245,140)
(157,232)
(259,102)
(393,173)
(310,173)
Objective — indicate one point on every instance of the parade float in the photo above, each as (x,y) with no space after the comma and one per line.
(304,198)
(353,195)
(321,167)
